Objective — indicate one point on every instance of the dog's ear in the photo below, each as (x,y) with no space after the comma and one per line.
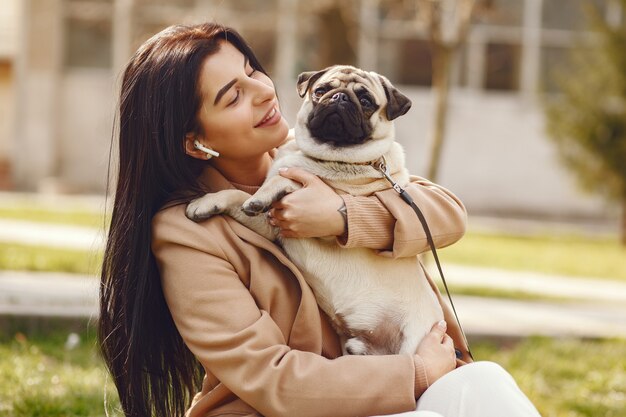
(397,103)
(306,79)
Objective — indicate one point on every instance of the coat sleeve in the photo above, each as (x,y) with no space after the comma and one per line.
(386,223)
(245,349)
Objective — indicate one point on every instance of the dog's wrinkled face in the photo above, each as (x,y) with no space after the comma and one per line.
(345,108)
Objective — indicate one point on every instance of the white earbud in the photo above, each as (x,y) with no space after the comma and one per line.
(210,152)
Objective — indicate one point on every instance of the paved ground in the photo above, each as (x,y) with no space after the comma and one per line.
(586,307)
(601,313)
(53,235)
(48,294)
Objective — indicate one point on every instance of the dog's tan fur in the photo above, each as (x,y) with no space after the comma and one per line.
(378,304)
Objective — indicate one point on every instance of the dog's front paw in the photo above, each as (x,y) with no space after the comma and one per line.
(273,189)
(222,202)
(254,207)
(204,207)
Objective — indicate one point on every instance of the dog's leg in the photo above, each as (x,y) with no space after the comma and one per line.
(212,204)
(355,346)
(229,202)
(386,338)
(273,189)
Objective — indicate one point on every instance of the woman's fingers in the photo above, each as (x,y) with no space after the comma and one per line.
(280,213)
(448,343)
(278,218)
(311,211)
(439,330)
(437,352)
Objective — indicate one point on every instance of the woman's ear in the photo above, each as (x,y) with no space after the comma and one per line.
(190,149)
(195,149)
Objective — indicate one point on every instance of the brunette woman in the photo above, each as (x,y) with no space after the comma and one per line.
(211,319)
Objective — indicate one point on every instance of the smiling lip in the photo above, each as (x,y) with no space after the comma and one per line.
(271,118)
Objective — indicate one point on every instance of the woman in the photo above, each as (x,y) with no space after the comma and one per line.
(215,310)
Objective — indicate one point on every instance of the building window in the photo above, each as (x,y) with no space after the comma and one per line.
(500,13)
(570,15)
(171,3)
(415,62)
(88,44)
(88,33)
(502,67)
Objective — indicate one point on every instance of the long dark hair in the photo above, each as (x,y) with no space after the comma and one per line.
(154,372)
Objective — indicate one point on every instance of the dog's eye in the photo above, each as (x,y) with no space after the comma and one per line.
(365,101)
(319,92)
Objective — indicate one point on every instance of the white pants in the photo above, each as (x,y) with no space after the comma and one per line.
(478,389)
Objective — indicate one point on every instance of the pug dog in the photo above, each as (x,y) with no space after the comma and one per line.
(344,128)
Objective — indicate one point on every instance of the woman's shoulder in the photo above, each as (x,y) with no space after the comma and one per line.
(170,213)
(170,224)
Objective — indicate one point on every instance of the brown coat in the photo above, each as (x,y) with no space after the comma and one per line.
(249,317)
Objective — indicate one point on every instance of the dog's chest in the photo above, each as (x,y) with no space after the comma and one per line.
(357,283)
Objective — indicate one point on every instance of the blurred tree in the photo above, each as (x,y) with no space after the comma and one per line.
(335,31)
(448,23)
(587,121)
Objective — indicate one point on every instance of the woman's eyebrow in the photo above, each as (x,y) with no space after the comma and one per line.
(224,89)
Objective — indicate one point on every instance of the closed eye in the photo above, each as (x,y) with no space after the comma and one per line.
(234,100)
(250,71)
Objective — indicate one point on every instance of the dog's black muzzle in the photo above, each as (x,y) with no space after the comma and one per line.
(340,120)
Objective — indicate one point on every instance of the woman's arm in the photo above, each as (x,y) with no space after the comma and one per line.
(444,212)
(382,221)
(246,350)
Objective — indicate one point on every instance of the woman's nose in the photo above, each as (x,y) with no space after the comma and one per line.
(264,92)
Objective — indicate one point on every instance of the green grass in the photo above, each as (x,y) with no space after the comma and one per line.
(38,258)
(562,255)
(573,256)
(564,378)
(69,217)
(40,378)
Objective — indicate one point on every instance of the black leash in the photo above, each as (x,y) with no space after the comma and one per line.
(381,166)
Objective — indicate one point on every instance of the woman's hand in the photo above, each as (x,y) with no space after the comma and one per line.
(437,352)
(311,211)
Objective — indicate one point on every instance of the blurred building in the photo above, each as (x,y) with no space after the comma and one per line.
(9,18)
(65,57)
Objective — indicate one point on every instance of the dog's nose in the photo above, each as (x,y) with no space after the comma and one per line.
(339,97)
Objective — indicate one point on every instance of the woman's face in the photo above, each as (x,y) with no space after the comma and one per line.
(239,112)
